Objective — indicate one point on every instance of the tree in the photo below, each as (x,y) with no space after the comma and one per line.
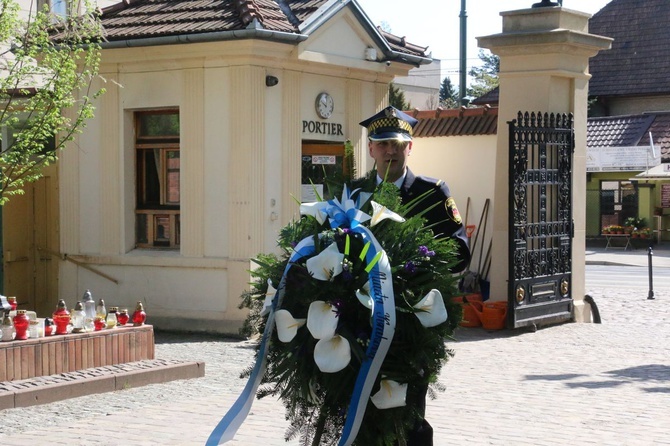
(397,98)
(448,94)
(485,77)
(46,73)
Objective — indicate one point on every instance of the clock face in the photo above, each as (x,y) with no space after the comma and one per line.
(324,105)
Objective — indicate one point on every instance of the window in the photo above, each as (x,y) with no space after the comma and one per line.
(158,163)
(58,8)
(618,201)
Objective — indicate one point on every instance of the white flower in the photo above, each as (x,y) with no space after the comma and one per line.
(316,210)
(327,264)
(364,297)
(333,354)
(269,297)
(287,325)
(391,394)
(432,310)
(380,213)
(321,320)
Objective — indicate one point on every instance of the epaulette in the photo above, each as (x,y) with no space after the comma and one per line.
(428,180)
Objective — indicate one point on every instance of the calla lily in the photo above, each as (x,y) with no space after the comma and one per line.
(315,209)
(269,297)
(391,394)
(380,213)
(287,325)
(432,310)
(327,264)
(364,297)
(321,320)
(332,354)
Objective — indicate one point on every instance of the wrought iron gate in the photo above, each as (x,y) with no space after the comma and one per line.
(540,219)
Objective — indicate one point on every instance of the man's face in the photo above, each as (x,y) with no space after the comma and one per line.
(391,157)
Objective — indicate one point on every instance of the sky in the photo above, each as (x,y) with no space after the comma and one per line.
(436,23)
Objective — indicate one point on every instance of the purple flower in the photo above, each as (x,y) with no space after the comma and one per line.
(410,267)
(338,304)
(425,252)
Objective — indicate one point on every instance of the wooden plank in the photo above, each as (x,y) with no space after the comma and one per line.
(3,364)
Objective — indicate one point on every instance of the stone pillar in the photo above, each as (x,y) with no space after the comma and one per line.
(544,56)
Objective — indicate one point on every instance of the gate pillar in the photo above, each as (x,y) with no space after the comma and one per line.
(544,56)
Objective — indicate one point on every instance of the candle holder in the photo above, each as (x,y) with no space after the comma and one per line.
(21,324)
(122,317)
(61,317)
(111,317)
(99,323)
(89,310)
(7,328)
(139,316)
(101,310)
(78,318)
(13,302)
(48,326)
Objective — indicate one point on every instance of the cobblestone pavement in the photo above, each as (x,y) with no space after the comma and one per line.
(571,384)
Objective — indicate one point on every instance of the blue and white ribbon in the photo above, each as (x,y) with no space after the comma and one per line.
(231,422)
(383,329)
(345,213)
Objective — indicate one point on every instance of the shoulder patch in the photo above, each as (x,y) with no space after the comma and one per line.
(452,210)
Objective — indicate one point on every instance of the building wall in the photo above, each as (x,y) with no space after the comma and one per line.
(635,105)
(467,164)
(240,144)
(422,86)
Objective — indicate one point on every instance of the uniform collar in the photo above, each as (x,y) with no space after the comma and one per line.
(399,182)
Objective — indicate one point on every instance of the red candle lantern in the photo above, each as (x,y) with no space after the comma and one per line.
(12,301)
(122,317)
(21,324)
(61,317)
(99,323)
(48,326)
(139,316)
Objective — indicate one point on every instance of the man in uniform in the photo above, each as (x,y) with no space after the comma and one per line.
(390,144)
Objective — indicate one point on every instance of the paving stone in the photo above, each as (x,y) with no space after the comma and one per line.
(565,385)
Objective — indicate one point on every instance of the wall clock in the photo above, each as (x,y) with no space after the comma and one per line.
(324,105)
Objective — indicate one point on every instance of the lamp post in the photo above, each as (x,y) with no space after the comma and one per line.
(463,55)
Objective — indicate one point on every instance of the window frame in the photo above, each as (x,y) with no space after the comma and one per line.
(149,214)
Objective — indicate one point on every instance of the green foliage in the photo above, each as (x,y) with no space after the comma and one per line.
(636,222)
(485,77)
(316,403)
(448,94)
(45,88)
(397,98)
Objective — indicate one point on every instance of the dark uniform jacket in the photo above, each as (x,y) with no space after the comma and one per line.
(444,218)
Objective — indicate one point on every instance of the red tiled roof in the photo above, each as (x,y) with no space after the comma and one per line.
(639,60)
(150,19)
(628,131)
(153,18)
(617,131)
(400,45)
(660,133)
(491,98)
(455,122)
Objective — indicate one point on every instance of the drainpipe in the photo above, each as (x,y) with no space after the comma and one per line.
(464,37)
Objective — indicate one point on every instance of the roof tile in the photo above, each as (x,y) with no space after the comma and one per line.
(455,122)
(639,59)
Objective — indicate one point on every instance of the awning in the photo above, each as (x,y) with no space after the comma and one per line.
(660,172)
